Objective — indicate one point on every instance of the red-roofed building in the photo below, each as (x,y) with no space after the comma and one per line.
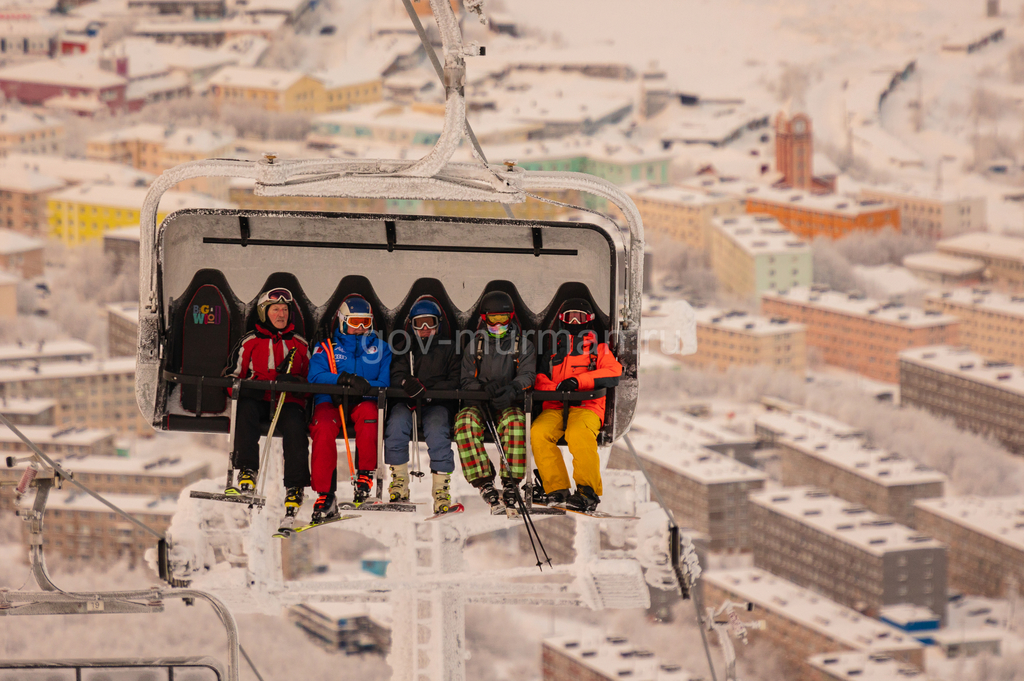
(36,82)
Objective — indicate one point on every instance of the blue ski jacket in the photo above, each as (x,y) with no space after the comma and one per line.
(367,356)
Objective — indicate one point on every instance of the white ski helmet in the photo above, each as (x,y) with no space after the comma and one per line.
(354,306)
(273,297)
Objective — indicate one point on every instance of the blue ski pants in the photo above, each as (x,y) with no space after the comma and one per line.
(437,432)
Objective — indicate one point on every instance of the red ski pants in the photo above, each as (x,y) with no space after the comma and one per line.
(325,428)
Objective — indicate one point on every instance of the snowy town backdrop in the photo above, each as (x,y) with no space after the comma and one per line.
(835,188)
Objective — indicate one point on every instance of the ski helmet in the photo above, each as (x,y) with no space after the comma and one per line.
(273,297)
(424,307)
(497,312)
(356,308)
(576,314)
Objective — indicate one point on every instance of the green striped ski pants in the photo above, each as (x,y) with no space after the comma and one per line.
(469,436)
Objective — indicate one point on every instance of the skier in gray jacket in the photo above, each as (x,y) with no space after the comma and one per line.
(502,361)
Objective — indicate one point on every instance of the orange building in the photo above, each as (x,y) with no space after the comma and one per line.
(860,334)
(808,215)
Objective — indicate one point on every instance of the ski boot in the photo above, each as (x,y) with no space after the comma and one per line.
(441,491)
(493,499)
(364,482)
(246,483)
(398,488)
(293,501)
(584,500)
(509,489)
(325,508)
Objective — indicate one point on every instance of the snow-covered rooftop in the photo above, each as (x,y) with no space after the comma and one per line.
(999,518)
(153,466)
(197,140)
(128,311)
(124,234)
(982,299)
(792,198)
(14,121)
(864,667)
(760,235)
(52,370)
(860,306)
(69,348)
(676,195)
(133,197)
(985,244)
(74,169)
(12,242)
(616,657)
(26,406)
(850,523)
(27,182)
(693,430)
(855,456)
(53,435)
(257,78)
(743,323)
(812,611)
(943,263)
(805,423)
(143,132)
(675,449)
(139,505)
(262,24)
(967,364)
(72,73)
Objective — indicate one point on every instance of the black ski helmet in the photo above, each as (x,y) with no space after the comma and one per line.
(496,302)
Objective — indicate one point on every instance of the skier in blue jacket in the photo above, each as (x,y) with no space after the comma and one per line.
(354,357)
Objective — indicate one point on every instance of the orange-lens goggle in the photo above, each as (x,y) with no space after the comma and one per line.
(576,317)
(280,295)
(498,318)
(359,320)
(427,321)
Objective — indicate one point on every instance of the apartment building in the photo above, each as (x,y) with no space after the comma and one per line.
(801,623)
(991,322)
(846,552)
(682,215)
(97,467)
(73,170)
(944,269)
(706,490)
(983,396)
(9,296)
(91,394)
(30,133)
(857,333)
(931,214)
(713,435)
(777,424)
(862,666)
(591,656)
(985,536)
(138,146)
(122,329)
(23,200)
(885,482)
(21,255)
(350,628)
(731,338)
(31,412)
(55,441)
(754,253)
(45,352)
(293,91)
(1002,255)
(82,531)
(90,89)
(85,212)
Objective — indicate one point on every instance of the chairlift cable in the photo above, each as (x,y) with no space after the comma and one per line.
(698,604)
(249,660)
(67,476)
(439,70)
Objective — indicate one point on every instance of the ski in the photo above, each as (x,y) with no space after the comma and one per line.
(601,515)
(302,528)
(403,507)
(538,509)
(454,509)
(247,499)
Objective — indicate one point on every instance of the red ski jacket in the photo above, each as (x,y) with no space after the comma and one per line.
(258,354)
(576,357)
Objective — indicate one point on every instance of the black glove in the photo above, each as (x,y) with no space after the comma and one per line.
(494,389)
(568,385)
(344,380)
(504,400)
(282,368)
(290,378)
(412,386)
(337,400)
(359,384)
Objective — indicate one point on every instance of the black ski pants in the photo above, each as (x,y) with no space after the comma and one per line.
(292,427)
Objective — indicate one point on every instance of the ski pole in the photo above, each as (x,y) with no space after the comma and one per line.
(270,431)
(417,471)
(348,447)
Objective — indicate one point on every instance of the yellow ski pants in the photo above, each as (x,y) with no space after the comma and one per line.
(581,436)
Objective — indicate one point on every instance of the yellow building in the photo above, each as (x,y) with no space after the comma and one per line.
(30,133)
(681,214)
(991,323)
(86,211)
(754,253)
(732,339)
(350,87)
(139,146)
(268,89)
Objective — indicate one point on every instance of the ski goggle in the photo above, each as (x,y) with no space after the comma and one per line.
(497,317)
(425,321)
(280,295)
(576,317)
(359,321)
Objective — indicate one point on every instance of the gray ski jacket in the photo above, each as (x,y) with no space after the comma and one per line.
(498,361)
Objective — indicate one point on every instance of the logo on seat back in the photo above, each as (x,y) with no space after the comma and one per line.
(206,314)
